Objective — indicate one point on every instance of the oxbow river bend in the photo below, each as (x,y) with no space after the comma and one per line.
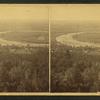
(67,39)
(4,42)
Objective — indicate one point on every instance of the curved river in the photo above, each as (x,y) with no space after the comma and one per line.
(69,40)
(16,43)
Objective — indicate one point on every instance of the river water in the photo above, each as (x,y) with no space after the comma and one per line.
(16,43)
(67,39)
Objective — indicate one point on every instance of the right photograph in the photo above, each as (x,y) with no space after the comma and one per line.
(75,48)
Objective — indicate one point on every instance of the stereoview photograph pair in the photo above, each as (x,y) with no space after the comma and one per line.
(48,48)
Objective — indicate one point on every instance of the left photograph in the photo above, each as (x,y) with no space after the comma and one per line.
(24,48)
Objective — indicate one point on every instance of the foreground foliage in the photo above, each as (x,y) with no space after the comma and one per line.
(23,69)
(75,70)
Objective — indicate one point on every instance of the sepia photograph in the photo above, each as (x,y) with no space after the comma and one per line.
(24,52)
(49,48)
(75,48)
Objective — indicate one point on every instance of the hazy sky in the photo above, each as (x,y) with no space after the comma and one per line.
(32,12)
(23,12)
(76,12)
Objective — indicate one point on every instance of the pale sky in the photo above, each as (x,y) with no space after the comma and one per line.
(23,12)
(76,12)
(33,12)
